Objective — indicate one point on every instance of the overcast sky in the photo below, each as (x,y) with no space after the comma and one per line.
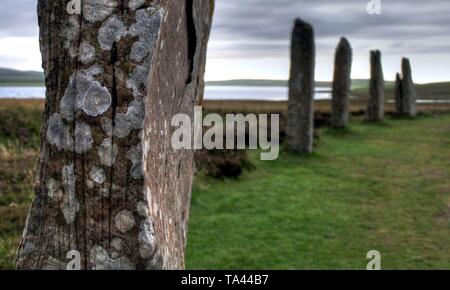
(250,38)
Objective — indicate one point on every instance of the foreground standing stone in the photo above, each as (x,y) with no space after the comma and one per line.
(300,132)
(375,108)
(111,191)
(342,84)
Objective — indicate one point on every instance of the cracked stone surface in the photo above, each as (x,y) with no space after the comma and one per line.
(300,132)
(342,84)
(375,107)
(110,186)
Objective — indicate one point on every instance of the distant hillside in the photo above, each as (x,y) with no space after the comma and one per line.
(356,83)
(249,83)
(11,77)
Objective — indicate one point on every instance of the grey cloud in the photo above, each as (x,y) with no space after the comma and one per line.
(18,18)
(263,22)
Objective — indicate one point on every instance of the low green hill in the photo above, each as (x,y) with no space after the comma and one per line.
(11,77)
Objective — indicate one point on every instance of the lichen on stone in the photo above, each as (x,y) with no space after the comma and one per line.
(135,4)
(147,28)
(107,126)
(100,260)
(117,244)
(112,30)
(69,205)
(133,119)
(85,93)
(124,221)
(147,241)
(107,152)
(83,138)
(54,190)
(139,77)
(58,134)
(135,156)
(97,174)
(87,53)
(104,191)
(71,33)
(98,10)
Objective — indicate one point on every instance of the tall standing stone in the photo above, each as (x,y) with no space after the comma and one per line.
(375,108)
(112,193)
(300,130)
(398,94)
(409,94)
(341,84)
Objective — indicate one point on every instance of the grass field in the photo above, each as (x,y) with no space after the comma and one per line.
(384,187)
(379,187)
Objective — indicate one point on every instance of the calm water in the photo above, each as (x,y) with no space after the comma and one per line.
(211,93)
(22,92)
(256,93)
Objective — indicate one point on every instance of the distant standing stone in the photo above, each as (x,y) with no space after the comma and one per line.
(301,89)
(341,84)
(409,94)
(398,94)
(375,108)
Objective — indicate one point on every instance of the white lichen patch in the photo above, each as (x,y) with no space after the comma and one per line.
(107,152)
(112,30)
(104,191)
(96,99)
(83,138)
(58,134)
(117,244)
(87,53)
(142,209)
(124,221)
(147,28)
(136,114)
(135,156)
(98,10)
(97,175)
(53,264)
(107,126)
(69,205)
(54,189)
(71,33)
(100,260)
(133,119)
(85,93)
(122,126)
(139,78)
(135,4)
(147,241)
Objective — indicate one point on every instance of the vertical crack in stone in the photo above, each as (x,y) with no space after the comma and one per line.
(192,37)
(114,96)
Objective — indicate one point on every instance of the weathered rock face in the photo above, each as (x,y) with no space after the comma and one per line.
(342,84)
(375,108)
(110,186)
(409,94)
(398,94)
(405,92)
(300,132)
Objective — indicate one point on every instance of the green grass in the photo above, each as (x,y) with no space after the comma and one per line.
(375,186)
(383,187)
